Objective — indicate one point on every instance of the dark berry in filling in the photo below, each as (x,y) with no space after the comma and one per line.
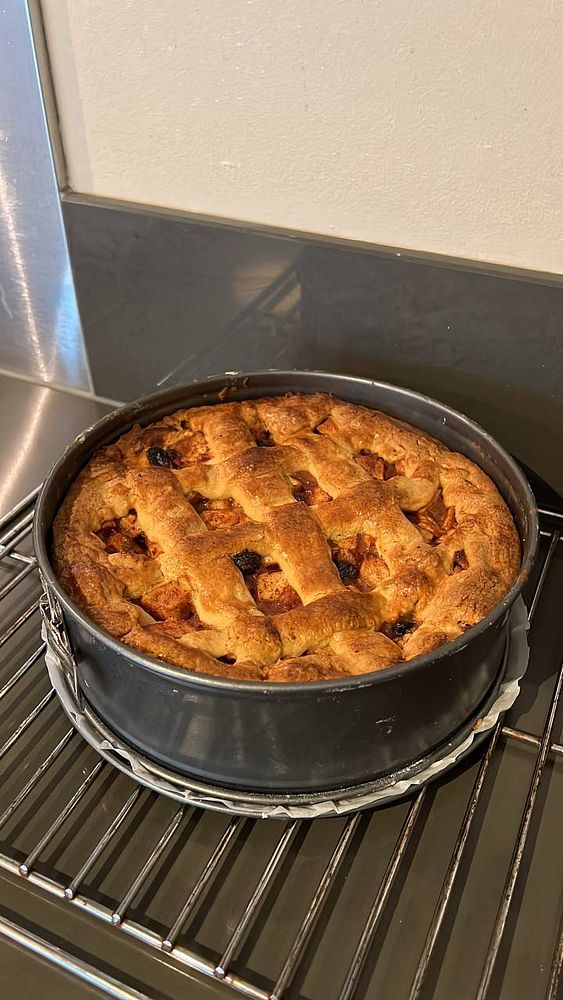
(460,561)
(346,570)
(247,561)
(402,627)
(167,458)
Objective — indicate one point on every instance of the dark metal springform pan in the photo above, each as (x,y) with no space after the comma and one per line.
(289,737)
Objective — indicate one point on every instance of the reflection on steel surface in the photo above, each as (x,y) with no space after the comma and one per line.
(38,423)
(271,318)
(25,443)
(40,332)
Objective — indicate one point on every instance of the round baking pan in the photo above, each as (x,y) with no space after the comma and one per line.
(289,737)
(282,805)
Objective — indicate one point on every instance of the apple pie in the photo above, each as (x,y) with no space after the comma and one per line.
(293,538)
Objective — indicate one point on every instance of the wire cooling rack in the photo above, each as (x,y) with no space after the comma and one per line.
(453,892)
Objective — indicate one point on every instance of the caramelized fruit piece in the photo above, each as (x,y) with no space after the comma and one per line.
(123,535)
(308,490)
(272,592)
(435,519)
(193,448)
(216,514)
(169,600)
(372,463)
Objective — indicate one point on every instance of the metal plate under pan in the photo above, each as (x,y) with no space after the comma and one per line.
(289,738)
(338,802)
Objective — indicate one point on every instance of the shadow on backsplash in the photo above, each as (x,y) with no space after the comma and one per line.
(165,300)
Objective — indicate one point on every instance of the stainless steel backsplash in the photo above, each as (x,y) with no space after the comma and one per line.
(40,332)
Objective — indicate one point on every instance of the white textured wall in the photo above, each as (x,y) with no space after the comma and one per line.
(427,124)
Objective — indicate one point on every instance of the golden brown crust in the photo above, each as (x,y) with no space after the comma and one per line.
(286,539)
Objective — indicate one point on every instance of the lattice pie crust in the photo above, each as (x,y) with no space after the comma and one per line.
(289,538)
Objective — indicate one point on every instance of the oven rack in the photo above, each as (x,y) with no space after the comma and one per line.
(35,742)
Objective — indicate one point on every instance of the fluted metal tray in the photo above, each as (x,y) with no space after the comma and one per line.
(338,801)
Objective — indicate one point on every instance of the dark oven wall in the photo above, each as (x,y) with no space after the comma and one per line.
(160,295)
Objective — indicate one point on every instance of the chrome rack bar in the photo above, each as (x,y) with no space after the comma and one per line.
(253,905)
(21,557)
(7,548)
(26,722)
(543,574)
(518,852)
(185,957)
(555,973)
(27,865)
(25,522)
(13,628)
(451,874)
(100,847)
(22,670)
(136,885)
(36,776)
(534,741)
(12,584)
(544,512)
(521,737)
(314,911)
(64,960)
(453,867)
(21,505)
(210,869)
(378,906)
